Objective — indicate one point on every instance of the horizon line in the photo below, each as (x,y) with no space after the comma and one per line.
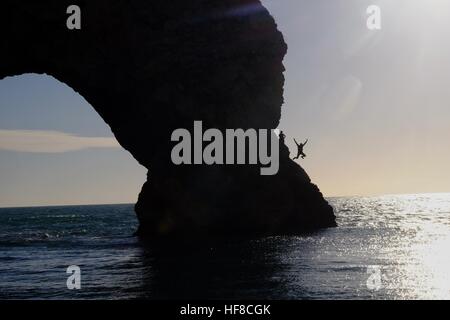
(65,205)
(133,203)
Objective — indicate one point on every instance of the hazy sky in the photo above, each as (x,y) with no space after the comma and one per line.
(374,104)
(79,163)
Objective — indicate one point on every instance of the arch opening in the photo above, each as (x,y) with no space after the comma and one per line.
(56,150)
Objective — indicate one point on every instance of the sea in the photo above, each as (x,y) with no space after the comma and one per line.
(387,247)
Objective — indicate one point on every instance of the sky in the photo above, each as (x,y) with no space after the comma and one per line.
(374,105)
(56,150)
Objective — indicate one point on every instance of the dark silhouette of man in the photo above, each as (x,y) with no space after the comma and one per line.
(282,136)
(300,147)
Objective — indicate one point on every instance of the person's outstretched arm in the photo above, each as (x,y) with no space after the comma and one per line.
(296,142)
(305,142)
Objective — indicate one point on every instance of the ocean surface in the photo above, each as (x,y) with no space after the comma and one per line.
(390,247)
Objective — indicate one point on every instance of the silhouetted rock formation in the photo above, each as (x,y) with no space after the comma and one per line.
(151,66)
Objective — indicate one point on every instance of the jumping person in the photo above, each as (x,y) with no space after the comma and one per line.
(300,149)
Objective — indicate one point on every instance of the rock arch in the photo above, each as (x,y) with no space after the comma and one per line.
(149,67)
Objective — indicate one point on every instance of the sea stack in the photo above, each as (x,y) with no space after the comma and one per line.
(151,67)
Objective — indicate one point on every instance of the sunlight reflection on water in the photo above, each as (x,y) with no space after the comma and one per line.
(414,246)
(404,238)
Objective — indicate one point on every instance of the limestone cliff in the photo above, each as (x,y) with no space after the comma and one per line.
(151,66)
